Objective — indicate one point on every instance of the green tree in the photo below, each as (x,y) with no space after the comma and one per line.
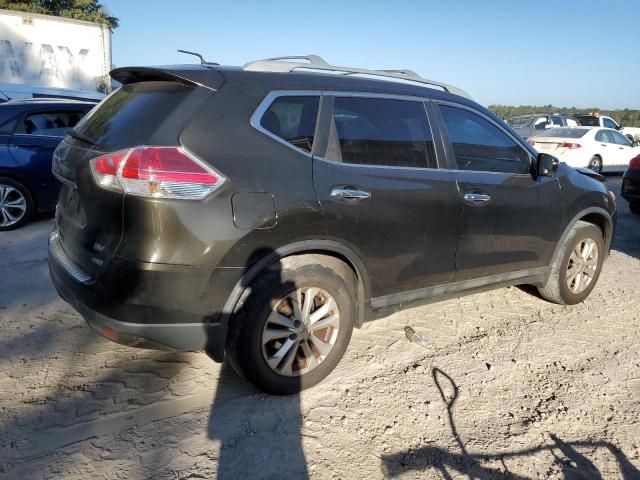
(88,10)
(626,117)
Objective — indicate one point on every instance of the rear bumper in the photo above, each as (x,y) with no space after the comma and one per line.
(142,305)
(630,190)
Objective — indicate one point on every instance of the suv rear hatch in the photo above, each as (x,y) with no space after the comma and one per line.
(151,108)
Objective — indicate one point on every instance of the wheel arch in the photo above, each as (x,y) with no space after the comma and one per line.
(596,216)
(22,181)
(328,248)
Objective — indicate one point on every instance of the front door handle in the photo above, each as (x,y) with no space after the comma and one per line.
(347,193)
(476,198)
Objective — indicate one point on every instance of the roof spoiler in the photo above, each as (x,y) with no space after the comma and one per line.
(185,74)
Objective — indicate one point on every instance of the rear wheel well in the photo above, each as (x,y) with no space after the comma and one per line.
(21,181)
(338,263)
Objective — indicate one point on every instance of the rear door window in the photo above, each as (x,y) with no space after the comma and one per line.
(380,131)
(604,136)
(293,119)
(52,123)
(481,146)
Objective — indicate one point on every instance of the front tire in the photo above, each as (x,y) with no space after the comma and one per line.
(294,326)
(576,266)
(16,204)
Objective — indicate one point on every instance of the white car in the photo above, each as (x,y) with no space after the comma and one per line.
(600,149)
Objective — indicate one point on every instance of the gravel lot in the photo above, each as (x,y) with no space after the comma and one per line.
(512,387)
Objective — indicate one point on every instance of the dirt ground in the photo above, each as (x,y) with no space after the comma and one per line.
(512,387)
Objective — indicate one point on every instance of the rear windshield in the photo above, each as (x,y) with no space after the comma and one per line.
(132,114)
(564,132)
(588,120)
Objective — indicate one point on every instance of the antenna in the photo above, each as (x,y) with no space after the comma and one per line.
(202,60)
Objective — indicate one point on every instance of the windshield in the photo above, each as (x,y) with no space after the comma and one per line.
(564,132)
(588,120)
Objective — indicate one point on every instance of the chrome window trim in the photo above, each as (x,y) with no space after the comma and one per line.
(494,123)
(266,102)
(386,167)
(31,135)
(386,96)
(273,95)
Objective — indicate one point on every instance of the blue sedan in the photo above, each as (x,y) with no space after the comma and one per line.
(30,130)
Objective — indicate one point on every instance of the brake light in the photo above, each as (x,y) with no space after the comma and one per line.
(156,172)
(635,162)
(571,146)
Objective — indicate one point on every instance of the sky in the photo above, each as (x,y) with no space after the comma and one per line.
(519,52)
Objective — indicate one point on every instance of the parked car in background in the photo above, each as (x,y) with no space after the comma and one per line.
(263,212)
(631,185)
(632,133)
(530,125)
(30,130)
(600,149)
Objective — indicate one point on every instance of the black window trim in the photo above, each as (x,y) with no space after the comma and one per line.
(452,166)
(321,130)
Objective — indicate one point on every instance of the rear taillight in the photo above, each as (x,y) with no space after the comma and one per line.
(635,162)
(156,172)
(571,146)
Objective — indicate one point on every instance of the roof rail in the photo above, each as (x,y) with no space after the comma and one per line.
(314,62)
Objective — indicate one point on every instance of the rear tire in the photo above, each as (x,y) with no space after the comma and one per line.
(272,317)
(16,204)
(595,164)
(576,266)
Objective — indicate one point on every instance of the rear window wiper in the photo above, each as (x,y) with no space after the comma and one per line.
(82,137)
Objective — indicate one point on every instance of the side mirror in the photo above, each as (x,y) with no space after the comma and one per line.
(546,165)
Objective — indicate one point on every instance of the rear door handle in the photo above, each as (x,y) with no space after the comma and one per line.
(347,193)
(476,198)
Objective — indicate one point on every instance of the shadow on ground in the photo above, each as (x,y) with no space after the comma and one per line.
(568,461)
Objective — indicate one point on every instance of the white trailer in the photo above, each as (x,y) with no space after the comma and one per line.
(42,55)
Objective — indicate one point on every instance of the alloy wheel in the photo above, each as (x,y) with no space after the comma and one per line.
(13,205)
(583,265)
(301,331)
(595,164)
